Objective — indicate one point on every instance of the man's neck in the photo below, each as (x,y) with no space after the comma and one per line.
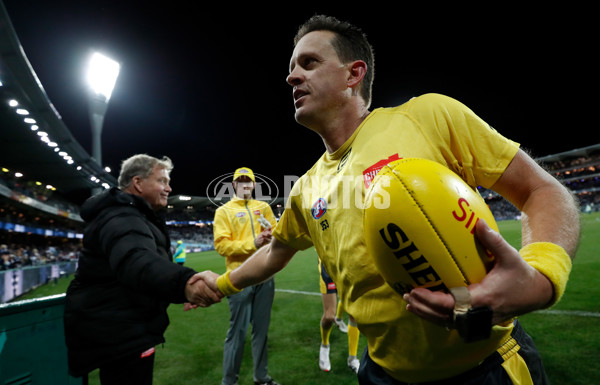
(337,132)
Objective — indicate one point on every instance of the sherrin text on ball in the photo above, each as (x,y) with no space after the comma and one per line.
(425,237)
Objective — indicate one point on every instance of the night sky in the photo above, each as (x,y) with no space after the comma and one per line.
(205,84)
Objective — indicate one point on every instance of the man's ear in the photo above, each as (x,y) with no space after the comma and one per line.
(136,184)
(358,70)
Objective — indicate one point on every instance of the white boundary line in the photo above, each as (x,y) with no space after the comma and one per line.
(576,313)
(298,292)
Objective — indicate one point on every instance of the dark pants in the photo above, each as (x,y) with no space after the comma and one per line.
(489,372)
(251,306)
(130,370)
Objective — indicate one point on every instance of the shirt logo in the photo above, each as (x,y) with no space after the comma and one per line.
(344,160)
(370,173)
(319,208)
(241,214)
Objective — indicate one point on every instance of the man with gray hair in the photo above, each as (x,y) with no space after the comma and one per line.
(116,306)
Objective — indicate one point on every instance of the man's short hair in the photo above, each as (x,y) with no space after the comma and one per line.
(141,165)
(350,43)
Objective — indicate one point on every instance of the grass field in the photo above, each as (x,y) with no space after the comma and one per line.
(566,335)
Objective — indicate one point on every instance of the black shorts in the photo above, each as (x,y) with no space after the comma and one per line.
(327,286)
(489,372)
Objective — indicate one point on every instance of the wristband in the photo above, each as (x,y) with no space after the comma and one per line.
(225,286)
(551,260)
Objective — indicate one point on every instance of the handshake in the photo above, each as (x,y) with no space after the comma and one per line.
(201,290)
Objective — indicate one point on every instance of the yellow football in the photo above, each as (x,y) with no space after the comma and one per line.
(419,222)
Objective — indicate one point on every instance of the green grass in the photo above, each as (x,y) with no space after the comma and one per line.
(569,341)
(567,338)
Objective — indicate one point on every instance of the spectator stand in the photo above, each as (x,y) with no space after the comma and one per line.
(39,242)
(578,170)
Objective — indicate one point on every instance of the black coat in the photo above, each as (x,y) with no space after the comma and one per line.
(116,304)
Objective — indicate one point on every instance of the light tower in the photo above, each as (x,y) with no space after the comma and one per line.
(102,75)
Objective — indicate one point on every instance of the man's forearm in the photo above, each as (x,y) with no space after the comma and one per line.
(262,265)
(550,212)
(553,217)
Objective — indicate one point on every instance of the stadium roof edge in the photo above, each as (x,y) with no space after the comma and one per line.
(22,149)
(585,151)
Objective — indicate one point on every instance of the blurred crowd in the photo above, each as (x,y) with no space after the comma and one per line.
(193,226)
(202,234)
(21,255)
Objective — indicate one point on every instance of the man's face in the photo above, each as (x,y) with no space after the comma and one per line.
(319,79)
(243,187)
(155,188)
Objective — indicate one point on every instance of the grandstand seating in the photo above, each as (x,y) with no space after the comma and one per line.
(578,169)
(33,234)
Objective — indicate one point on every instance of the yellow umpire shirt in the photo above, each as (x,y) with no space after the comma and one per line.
(325,210)
(236,226)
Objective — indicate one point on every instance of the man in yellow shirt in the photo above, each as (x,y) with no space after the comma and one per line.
(242,226)
(331,72)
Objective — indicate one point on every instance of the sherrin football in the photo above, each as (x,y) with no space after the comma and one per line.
(419,222)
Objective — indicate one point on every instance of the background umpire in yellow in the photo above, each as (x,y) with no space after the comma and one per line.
(239,230)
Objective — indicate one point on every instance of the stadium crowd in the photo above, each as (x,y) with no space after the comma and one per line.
(193,226)
(25,238)
(191,233)
(14,256)
(574,165)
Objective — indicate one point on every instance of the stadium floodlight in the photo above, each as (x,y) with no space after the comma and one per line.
(102,76)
